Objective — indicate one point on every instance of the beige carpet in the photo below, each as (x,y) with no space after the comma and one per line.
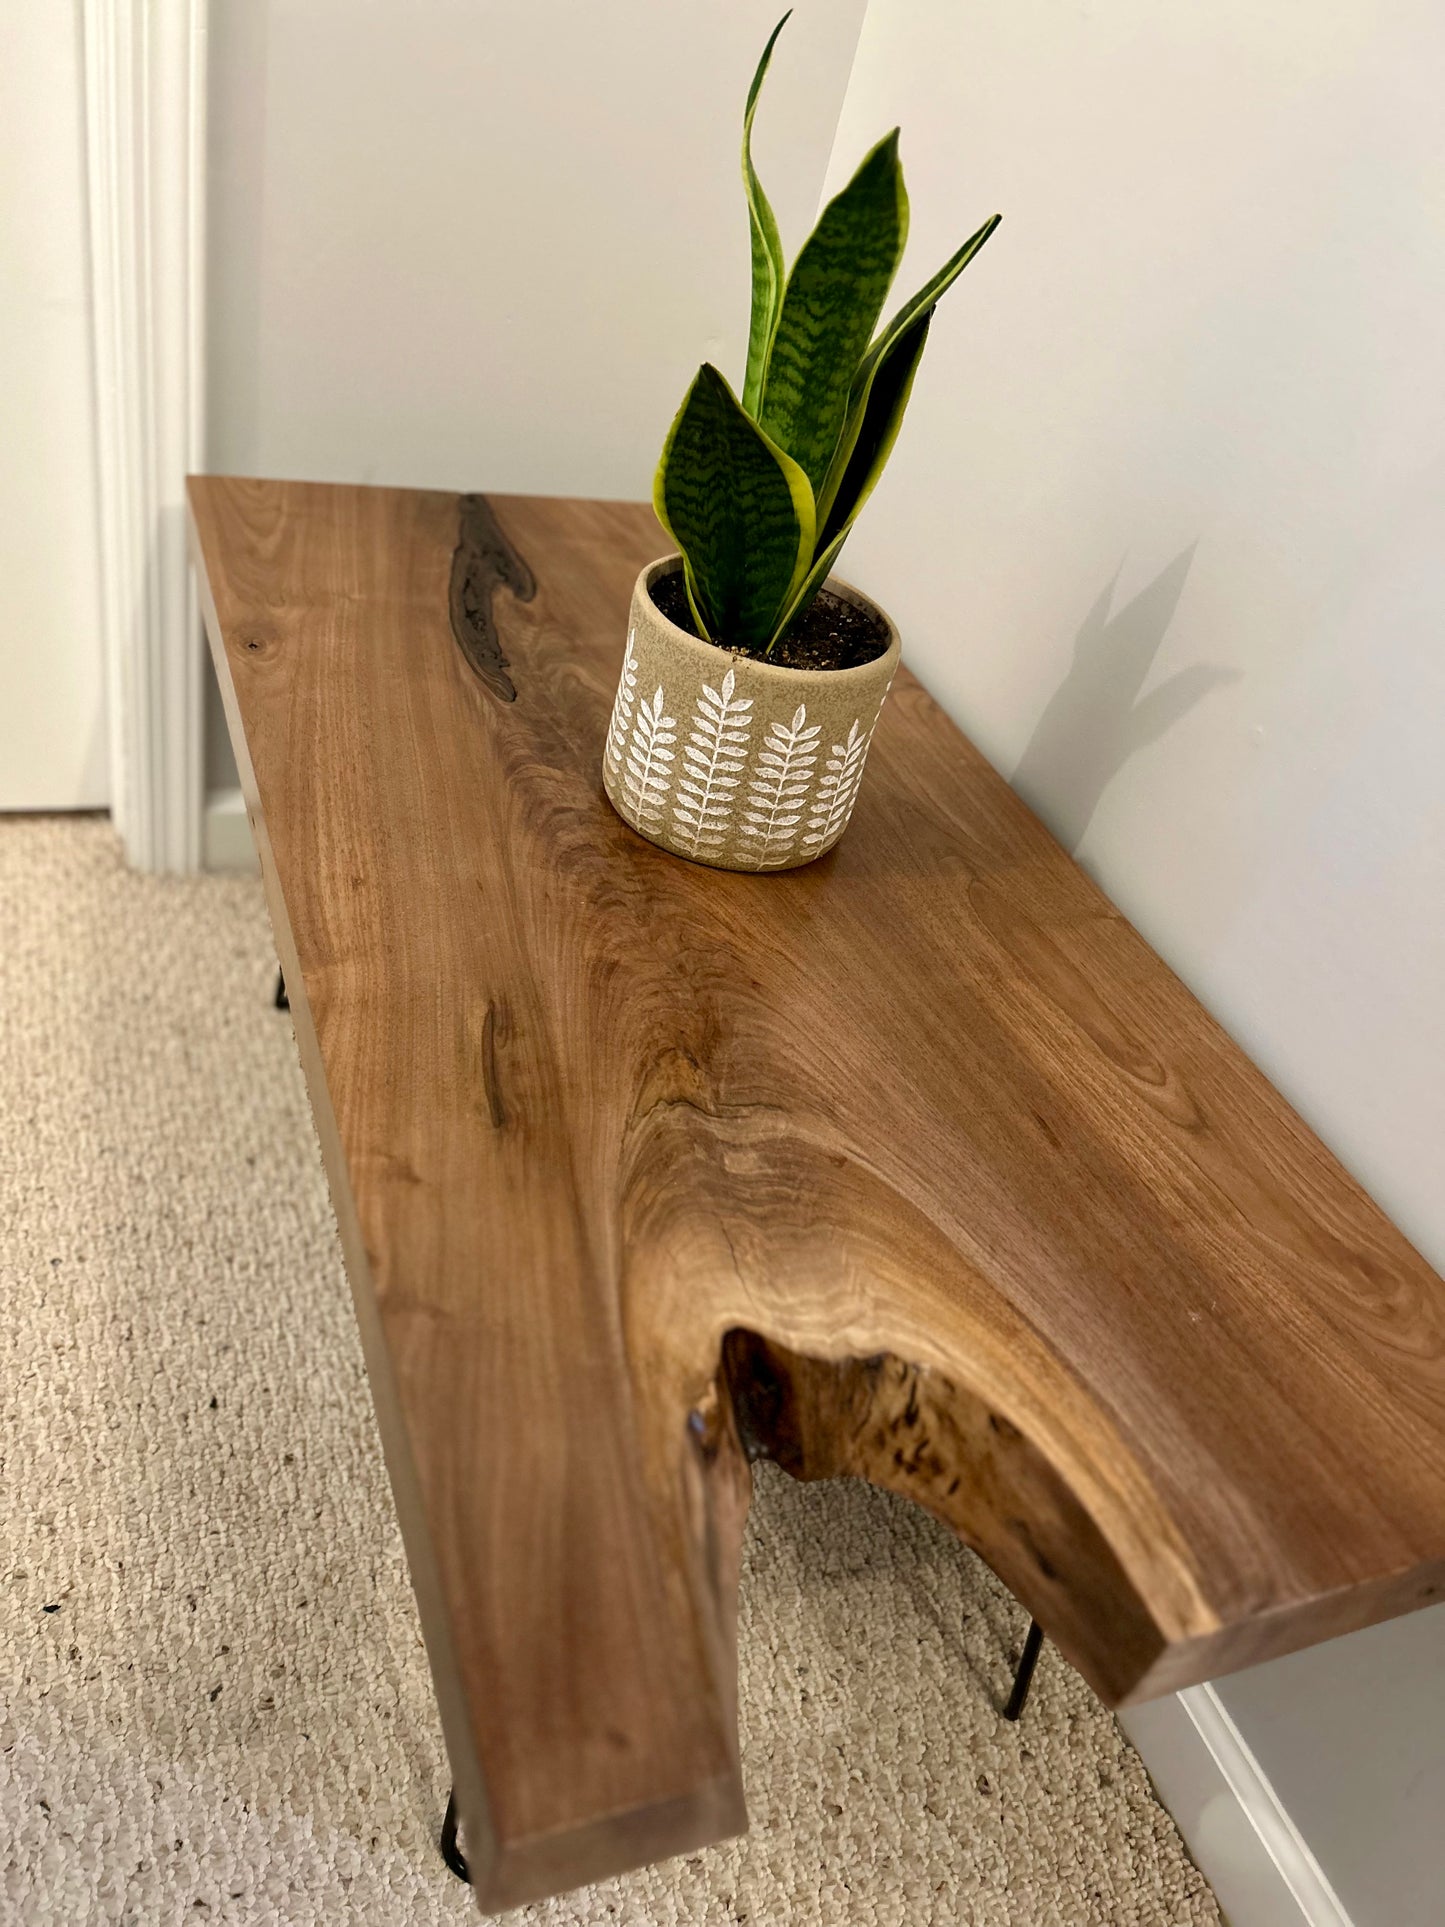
(213,1702)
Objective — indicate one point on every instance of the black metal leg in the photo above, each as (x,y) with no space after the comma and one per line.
(283,1002)
(1024,1677)
(451,1852)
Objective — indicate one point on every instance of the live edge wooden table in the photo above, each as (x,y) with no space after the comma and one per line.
(915,1164)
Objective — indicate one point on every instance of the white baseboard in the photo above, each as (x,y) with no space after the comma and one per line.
(1242,1840)
(226,840)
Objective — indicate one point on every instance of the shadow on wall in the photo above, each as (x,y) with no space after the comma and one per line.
(1096,719)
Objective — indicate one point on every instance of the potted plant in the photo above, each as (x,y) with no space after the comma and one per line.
(752,680)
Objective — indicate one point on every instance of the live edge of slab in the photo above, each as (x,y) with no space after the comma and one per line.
(915,1164)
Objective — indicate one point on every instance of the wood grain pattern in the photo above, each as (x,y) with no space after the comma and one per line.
(916,1164)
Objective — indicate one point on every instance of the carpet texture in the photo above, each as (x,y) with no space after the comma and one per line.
(214,1704)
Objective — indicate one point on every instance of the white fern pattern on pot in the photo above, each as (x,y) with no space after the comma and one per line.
(713,763)
(782,776)
(622,708)
(833,803)
(647,771)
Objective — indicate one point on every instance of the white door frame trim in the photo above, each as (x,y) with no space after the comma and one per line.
(145,117)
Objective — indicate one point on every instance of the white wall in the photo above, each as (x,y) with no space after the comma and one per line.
(1352,1737)
(52,679)
(483,244)
(1166,531)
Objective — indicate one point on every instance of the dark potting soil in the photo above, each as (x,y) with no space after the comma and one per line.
(831,633)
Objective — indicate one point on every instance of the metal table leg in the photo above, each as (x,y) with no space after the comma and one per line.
(1024,1677)
(451,1852)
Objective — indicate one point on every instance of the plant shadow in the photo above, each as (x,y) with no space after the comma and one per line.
(1096,719)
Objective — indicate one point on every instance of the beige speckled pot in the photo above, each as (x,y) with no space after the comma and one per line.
(732,762)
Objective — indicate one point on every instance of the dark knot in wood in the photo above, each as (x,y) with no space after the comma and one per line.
(484,561)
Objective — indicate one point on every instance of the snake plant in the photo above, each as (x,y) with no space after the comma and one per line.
(760,492)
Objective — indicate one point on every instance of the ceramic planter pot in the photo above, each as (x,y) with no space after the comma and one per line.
(733,762)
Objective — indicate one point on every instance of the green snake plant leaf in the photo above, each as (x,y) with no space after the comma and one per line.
(741,511)
(831,306)
(867,370)
(767,246)
(888,392)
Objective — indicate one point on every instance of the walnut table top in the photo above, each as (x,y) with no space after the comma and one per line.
(916,1164)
